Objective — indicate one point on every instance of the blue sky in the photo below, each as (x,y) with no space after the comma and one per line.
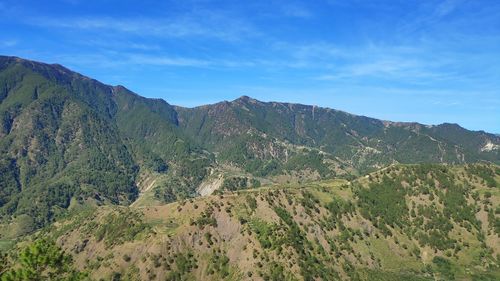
(402,60)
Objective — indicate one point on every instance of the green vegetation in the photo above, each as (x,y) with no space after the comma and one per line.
(312,160)
(267,234)
(85,141)
(443,268)
(219,264)
(118,228)
(183,265)
(310,266)
(484,172)
(40,260)
(206,219)
(252,203)
(68,148)
(442,228)
(384,204)
(237,183)
(378,275)
(68,142)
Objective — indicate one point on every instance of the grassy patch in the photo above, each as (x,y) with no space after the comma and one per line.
(378,275)
(389,259)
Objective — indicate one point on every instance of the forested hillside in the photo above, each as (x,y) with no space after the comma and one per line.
(68,140)
(270,134)
(404,222)
(58,142)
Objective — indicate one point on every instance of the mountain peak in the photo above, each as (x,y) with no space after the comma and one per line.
(245,98)
(450,126)
(52,71)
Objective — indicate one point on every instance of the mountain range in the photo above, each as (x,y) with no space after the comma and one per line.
(99,183)
(67,139)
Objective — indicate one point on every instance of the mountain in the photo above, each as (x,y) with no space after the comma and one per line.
(67,140)
(403,222)
(58,141)
(266,131)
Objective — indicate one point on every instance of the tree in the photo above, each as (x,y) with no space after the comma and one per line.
(42,260)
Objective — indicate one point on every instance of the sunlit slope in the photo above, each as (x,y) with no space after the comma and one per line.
(411,222)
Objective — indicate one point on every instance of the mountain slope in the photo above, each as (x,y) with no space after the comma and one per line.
(67,140)
(66,137)
(150,130)
(405,222)
(357,141)
(58,141)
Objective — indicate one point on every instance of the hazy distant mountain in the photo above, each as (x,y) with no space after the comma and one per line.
(66,138)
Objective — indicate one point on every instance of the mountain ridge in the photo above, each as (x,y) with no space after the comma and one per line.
(245,98)
(68,137)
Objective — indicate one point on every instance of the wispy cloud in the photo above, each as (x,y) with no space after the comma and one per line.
(312,50)
(133,59)
(114,60)
(200,24)
(394,68)
(166,61)
(121,44)
(428,14)
(8,43)
(296,10)
(446,7)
